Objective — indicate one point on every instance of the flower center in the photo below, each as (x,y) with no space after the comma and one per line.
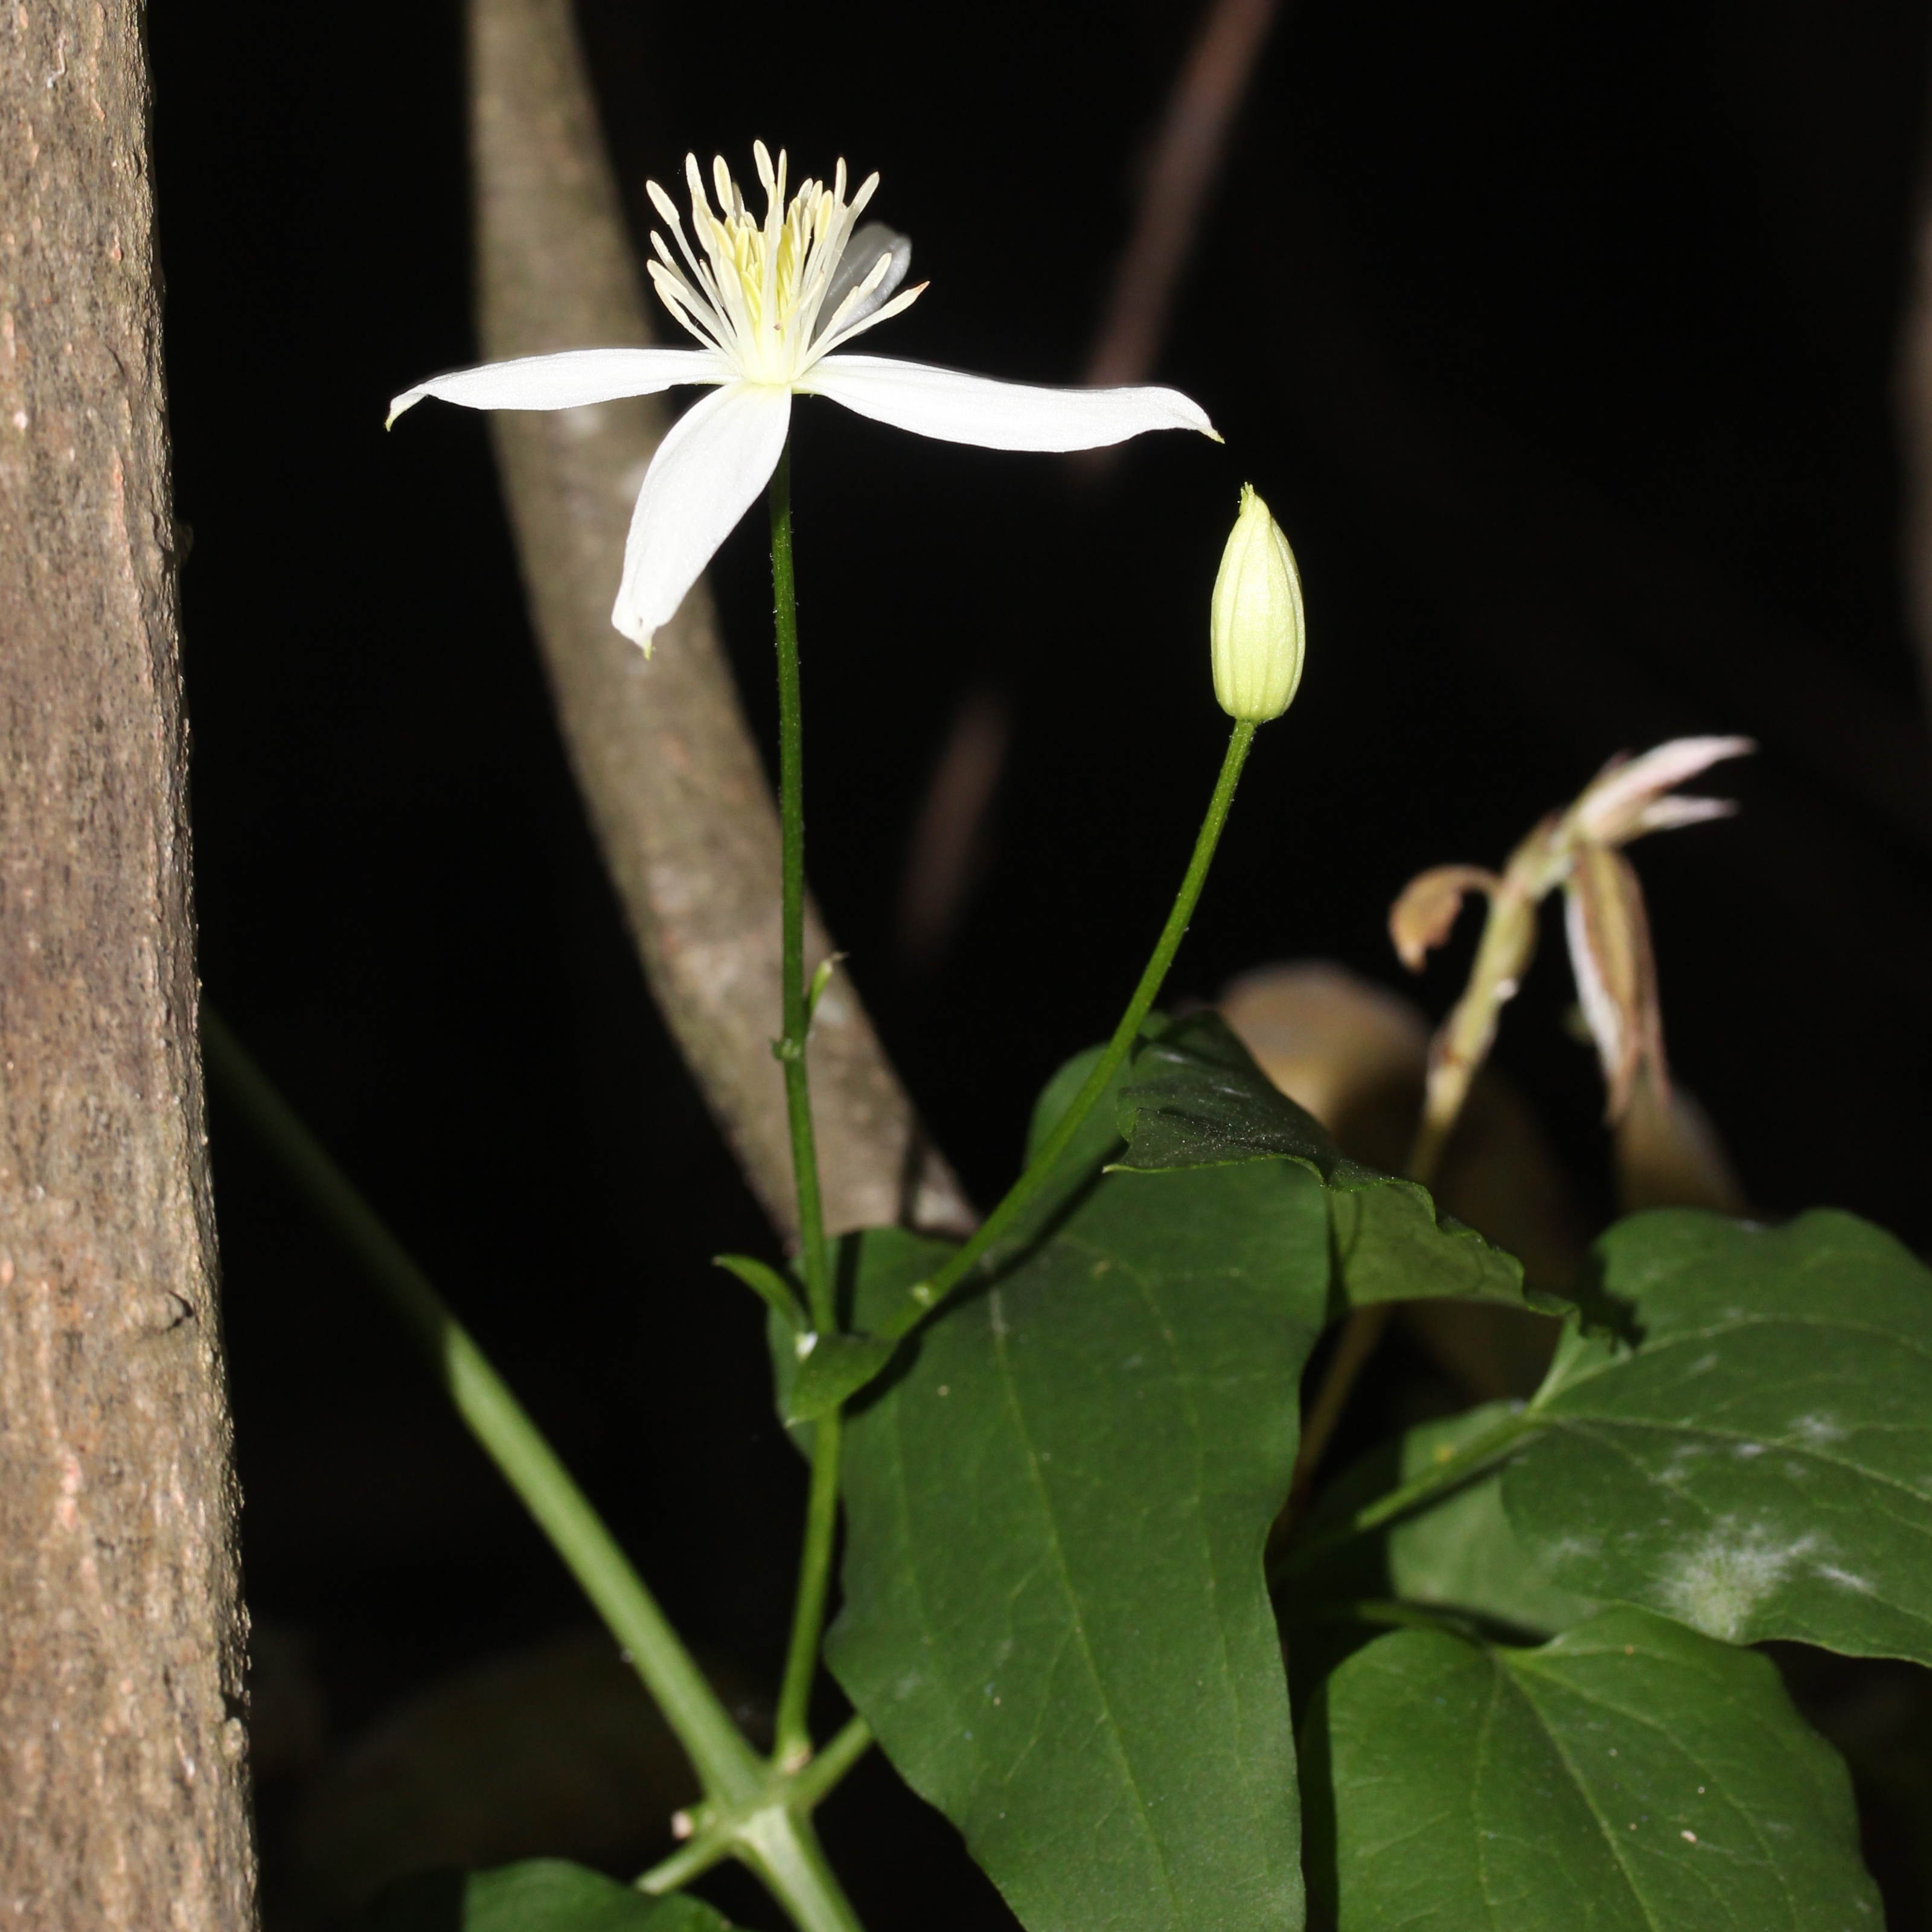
(756,291)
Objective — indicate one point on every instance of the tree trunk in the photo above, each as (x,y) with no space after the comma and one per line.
(123,1793)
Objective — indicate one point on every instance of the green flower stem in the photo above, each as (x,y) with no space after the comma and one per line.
(795,1018)
(937,1286)
(793,1743)
(1470,1460)
(729,1769)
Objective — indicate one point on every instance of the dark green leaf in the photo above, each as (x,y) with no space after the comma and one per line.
(1631,1776)
(1760,1464)
(1195,1098)
(1055,1618)
(541,1895)
(1458,1553)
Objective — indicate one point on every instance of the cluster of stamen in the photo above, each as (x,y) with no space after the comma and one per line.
(755,290)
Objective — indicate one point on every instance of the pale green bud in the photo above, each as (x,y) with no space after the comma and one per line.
(1256,621)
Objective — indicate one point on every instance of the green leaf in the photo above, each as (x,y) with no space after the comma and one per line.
(832,1368)
(541,1895)
(1631,1776)
(1195,1098)
(1458,1553)
(1055,1617)
(1198,1098)
(874,1270)
(821,978)
(767,1284)
(1760,1463)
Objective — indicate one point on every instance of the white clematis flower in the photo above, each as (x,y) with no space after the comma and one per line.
(768,303)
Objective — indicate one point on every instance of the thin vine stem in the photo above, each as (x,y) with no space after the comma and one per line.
(792,1747)
(937,1286)
(1451,1473)
(1389,1614)
(818,1780)
(1361,1335)
(728,1768)
(687,1863)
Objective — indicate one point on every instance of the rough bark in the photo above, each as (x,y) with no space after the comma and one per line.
(123,1796)
(675,788)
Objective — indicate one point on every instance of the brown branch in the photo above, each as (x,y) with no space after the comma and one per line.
(1914,406)
(1180,176)
(123,1793)
(676,793)
(947,852)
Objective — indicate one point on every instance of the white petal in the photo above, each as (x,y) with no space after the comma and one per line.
(1667,814)
(569,380)
(1626,787)
(958,408)
(719,454)
(1601,1013)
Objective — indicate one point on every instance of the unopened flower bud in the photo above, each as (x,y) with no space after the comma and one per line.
(1256,621)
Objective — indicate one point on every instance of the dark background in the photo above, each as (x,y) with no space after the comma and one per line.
(1561,341)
